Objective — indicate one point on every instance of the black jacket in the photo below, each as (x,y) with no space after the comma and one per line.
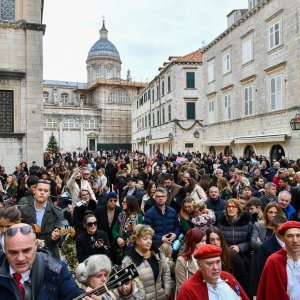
(85,245)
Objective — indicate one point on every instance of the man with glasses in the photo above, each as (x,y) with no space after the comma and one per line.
(284,201)
(44,213)
(162,218)
(26,273)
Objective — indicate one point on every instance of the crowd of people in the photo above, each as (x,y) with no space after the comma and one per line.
(194,226)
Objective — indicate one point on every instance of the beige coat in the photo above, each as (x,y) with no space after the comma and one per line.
(184,270)
(161,289)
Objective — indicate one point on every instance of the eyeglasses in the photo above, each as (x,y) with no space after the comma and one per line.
(231,206)
(91,224)
(160,196)
(86,173)
(23,229)
(113,200)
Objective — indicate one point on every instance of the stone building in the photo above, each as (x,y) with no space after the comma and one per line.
(250,85)
(21,71)
(96,114)
(166,113)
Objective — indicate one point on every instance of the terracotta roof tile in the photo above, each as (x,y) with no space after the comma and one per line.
(195,56)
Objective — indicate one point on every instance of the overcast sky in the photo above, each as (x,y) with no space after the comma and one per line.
(145,32)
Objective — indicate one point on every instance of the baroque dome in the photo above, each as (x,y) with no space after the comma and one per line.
(103,47)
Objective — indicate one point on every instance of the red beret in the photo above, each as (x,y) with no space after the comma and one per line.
(207,251)
(288,225)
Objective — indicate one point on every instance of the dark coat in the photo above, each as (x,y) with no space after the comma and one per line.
(295,191)
(52,219)
(85,245)
(102,220)
(52,275)
(266,249)
(162,224)
(217,206)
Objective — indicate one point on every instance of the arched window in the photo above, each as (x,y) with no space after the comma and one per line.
(91,124)
(50,123)
(228,151)
(7,10)
(212,150)
(45,97)
(276,152)
(83,99)
(64,98)
(119,96)
(71,124)
(248,152)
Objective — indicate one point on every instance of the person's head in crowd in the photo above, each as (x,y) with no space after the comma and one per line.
(135,172)
(142,237)
(284,199)
(9,215)
(218,173)
(243,200)
(199,207)
(271,190)
(233,209)
(11,180)
(86,174)
(190,184)
(223,184)
(160,196)
(140,184)
(167,250)
(271,210)
(42,191)
(44,175)
(215,236)
(276,222)
(205,181)
(151,189)
(291,173)
(231,172)
(290,233)
(90,222)
(164,169)
(284,182)
(32,182)
(168,181)
(297,177)
(112,200)
(214,193)
(193,239)
(185,177)
(85,195)
(259,182)
(254,207)
(247,191)
(96,188)
(94,271)
(276,164)
(187,208)
(130,205)
(20,246)
(100,172)
(256,172)
(282,172)
(131,182)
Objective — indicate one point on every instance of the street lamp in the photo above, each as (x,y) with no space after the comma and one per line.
(196,134)
(295,123)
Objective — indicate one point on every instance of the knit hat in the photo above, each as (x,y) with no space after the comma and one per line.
(91,266)
(288,225)
(207,251)
(111,195)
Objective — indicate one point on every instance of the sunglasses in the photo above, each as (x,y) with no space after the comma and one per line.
(23,229)
(113,200)
(91,224)
(86,173)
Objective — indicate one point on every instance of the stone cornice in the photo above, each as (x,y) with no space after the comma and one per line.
(13,135)
(24,25)
(12,74)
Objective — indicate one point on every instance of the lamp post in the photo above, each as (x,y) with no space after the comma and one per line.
(295,123)
(196,134)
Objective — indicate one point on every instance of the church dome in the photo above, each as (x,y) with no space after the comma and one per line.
(103,47)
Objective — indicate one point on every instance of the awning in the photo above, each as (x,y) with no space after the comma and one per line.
(270,138)
(218,142)
(159,141)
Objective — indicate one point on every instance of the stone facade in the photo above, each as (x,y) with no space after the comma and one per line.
(94,115)
(250,84)
(21,71)
(165,114)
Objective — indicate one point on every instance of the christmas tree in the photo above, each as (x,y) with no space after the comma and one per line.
(53,145)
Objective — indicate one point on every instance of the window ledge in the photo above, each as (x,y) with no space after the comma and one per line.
(249,62)
(227,73)
(275,49)
(191,89)
(17,135)
(212,81)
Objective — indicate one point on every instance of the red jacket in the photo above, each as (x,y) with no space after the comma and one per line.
(195,288)
(273,281)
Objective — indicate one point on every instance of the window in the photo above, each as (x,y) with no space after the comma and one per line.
(163,116)
(91,124)
(71,124)
(188,145)
(247,51)
(210,72)
(276,92)
(108,74)
(249,100)
(119,96)
(157,92)
(137,104)
(142,122)
(252,3)
(158,118)
(149,119)
(7,10)
(227,107)
(274,35)
(64,98)
(149,94)
(231,20)
(211,111)
(146,122)
(50,123)
(226,63)
(169,84)
(6,111)
(190,80)
(169,113)
(162,88)
(153,120)
(45,97)
(152,96)
(190,111)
